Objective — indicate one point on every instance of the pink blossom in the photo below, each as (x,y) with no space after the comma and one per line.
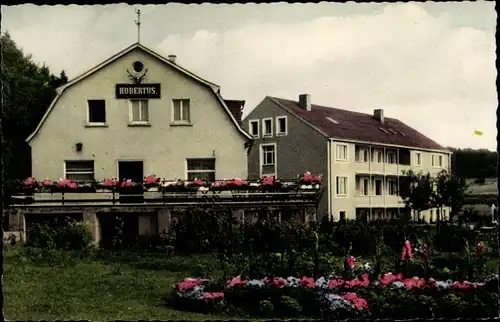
(308,282)
(47,182)
(268,180)
(278,282)
(336,283)
(407,252)
(127,183)
(307,178)
(463,285)
(236,182)
(198,182)
(350,262)
(189,283)
(237,281)
(30,182)
(66,183)
(111,182)
(358,302)
(317,179)
(151,180)
(212,296)
(390,278)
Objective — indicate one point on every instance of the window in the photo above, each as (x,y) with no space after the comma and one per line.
(437,161)
(97,111)
(342,215)
(341,186)
(362,155)
(139,111)
(267,127)
(268,159)
(203,169)
(377,156)
(363,187)
(378,187)
(391,157)
(79,171)
(392,187)
(282,126)
(181,111)
(253,127)
(418,159)
(341,152)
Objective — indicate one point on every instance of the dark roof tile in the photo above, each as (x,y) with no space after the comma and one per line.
(359,126)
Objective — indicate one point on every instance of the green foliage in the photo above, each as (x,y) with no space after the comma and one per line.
(470,163)
(266,308)
(73,235)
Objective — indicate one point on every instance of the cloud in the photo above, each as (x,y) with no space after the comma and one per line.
(434,75)
(437,78)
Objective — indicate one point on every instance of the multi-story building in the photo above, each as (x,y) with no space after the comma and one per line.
(361,156)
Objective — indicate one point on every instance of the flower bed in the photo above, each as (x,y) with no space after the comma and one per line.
(334,297)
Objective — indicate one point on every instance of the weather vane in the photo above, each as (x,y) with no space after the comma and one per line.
(138,23)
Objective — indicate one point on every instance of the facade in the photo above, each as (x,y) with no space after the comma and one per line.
(361,156)
(136,114)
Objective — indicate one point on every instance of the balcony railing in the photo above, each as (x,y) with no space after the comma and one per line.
(173,193)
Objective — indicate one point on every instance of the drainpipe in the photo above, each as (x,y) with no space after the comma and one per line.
(397,156)
(370,180)
(329,176)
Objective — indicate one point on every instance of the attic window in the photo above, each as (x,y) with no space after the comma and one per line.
(401,133)
(331,120)
(138,66)
(383,130)
(392,131)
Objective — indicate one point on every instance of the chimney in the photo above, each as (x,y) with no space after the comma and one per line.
(305,101)
(379,115)
(172,58)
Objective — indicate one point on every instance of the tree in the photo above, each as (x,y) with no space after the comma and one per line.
(450,191)
(417,191)
(28,90)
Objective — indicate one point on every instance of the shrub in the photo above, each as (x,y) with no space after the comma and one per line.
(266,308)
(71,236)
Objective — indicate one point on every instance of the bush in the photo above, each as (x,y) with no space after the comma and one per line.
(73,235)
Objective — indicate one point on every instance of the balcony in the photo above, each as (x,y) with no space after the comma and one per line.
(385,201)
(381,160)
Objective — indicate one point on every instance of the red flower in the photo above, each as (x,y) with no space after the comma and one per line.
(336,283)
(407,252)
(307,178)
(390,278)
(66,183)
(111,183)
(30,182)
(308,282)
(317,179)
(268,180)
(151,180)
(47,182)
(463,285)
(127,183)
(188,284)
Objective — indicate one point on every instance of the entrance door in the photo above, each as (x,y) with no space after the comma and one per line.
(133,170)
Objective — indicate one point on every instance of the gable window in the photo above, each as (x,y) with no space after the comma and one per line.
(181,111)
(253,127)
(437,161)
(267,127)
(96,111)
(139,111)
(281,124)
(268,159)
(341,152)
(203,169)
(341,186)
(79,171)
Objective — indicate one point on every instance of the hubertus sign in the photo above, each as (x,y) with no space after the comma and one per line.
(138,91)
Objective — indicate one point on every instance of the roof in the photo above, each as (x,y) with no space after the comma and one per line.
(236,108)
(215,88)
(343,124)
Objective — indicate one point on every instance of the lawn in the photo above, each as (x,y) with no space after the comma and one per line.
(105,287)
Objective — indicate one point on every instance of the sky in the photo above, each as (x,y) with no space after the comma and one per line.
(431,65)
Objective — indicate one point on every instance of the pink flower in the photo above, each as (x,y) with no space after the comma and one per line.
(463,285)
(308,282)
(336,283)
(212,296)
(390,278)
(127,183)
(278,282)
(198,182)
(236,182)
(268,180)
(111,182)
(151,180)
(189,283)
(30,182)
(236,282)
(317,179)
(47,183)
(358,302)
(66,183)
(307,178)
(350,262)
(407,252)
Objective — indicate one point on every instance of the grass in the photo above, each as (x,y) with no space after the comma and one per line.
(97,289)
